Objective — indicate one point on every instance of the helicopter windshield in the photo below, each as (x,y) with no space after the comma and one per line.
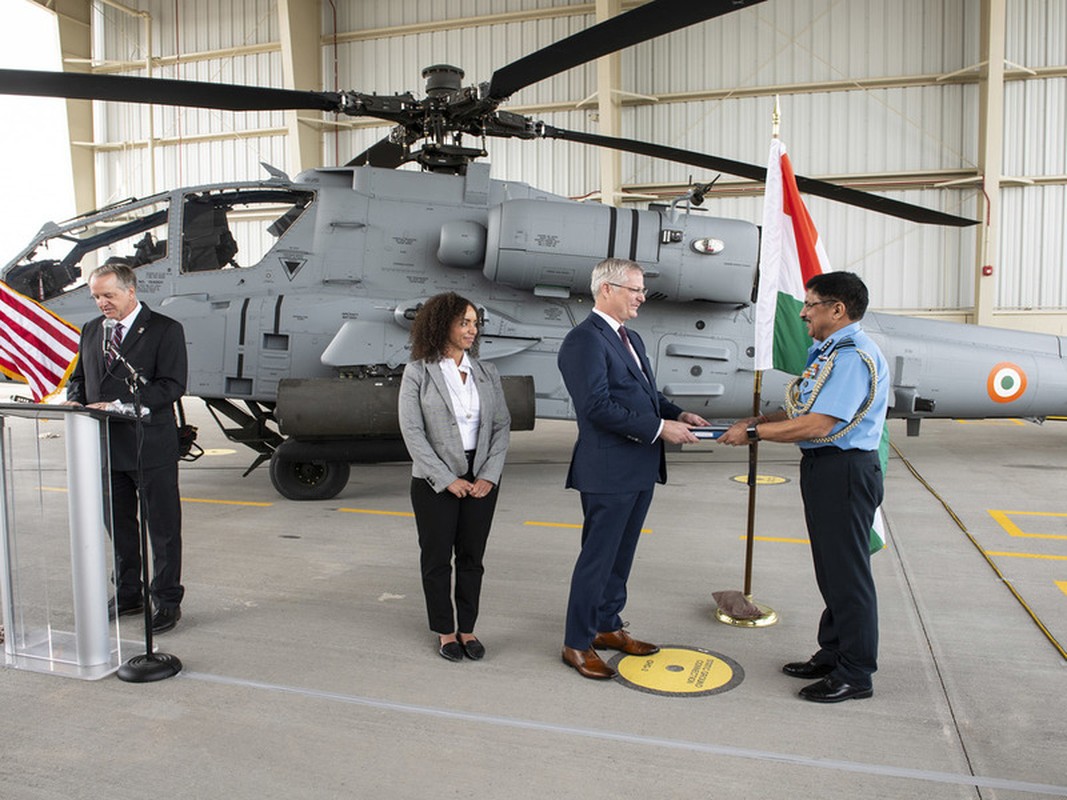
(235,228)
(60,262)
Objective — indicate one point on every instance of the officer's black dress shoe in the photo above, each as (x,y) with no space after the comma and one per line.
(451,651)
(834,690)
(125,609)
(166,618)
(808,670)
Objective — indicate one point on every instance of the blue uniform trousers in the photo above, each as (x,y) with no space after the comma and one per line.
(841,491)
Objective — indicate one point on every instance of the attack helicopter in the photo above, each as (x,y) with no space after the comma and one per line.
(297,294)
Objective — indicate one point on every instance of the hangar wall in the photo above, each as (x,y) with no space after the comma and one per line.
(883,95)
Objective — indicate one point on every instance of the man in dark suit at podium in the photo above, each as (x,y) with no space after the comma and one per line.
(153,346)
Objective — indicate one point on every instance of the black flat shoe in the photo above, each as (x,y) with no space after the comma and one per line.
(808,670)
(834,690)
(473,649)
(451,651)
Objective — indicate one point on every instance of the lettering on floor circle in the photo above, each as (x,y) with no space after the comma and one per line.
(762,480)
(679,671)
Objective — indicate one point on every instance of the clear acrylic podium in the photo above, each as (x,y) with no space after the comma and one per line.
(56,557)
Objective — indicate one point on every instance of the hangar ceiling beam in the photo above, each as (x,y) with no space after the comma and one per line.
(300,23)
(610,110)
(990,155)
(75,45)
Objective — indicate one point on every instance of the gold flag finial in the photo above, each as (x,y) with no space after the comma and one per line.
(776,118)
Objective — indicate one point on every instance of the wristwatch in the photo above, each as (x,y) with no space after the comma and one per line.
(753,434)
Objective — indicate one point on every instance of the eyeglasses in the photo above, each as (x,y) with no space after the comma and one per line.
(633,289)
(808,304)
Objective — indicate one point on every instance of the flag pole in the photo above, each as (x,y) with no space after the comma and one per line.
(767,616)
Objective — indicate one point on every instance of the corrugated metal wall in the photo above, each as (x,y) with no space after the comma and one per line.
(839,130)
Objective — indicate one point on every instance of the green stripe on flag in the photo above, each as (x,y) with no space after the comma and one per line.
(791,340)
(878,529)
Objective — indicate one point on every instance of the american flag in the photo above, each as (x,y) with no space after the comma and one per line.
(36,346)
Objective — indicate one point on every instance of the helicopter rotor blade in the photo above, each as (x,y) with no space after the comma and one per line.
(638,25)
(831,191)
(162,91)
(383,153)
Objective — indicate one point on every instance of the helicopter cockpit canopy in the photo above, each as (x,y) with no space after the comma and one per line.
(213,227)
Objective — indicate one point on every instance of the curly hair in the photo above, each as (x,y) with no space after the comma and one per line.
(433,323)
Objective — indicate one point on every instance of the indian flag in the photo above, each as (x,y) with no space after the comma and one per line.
(791,253)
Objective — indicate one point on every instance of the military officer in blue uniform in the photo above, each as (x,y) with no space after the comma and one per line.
(835,411)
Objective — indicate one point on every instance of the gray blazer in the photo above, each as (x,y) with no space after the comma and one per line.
(428,425)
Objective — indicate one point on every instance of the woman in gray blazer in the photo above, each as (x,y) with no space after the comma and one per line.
(456,426)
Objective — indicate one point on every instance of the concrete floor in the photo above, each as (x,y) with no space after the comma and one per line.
(309,671)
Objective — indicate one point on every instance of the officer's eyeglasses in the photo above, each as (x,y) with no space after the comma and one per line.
(809,304)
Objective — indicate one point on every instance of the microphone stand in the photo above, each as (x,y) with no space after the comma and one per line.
(151,666)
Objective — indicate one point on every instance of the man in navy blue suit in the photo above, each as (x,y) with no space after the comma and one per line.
(623,421)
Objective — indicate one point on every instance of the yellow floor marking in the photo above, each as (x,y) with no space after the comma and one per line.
(777,539)
(256,503)
(1062,585)
(565,525)
(1014,530)
(990,421)
(375,511)
(1026,555)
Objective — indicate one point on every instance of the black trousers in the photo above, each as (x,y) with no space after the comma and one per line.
(450,525)
(841,491)
(164,534)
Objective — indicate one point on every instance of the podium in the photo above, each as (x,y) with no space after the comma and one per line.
(56,556)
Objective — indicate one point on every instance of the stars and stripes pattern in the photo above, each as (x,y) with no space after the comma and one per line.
(36,346)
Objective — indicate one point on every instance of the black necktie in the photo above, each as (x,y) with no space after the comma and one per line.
(113,346)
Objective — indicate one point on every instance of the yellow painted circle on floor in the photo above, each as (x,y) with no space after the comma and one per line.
(679,671)
(218,451)
(762,480)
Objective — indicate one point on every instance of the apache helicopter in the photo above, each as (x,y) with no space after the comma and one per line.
(297,295)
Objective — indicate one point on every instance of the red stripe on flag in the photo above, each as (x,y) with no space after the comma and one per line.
(35,344)
(803,228)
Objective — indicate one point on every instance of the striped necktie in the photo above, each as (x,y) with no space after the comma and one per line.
(113,346)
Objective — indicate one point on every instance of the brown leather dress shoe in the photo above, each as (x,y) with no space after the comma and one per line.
(588,663)
(621,640)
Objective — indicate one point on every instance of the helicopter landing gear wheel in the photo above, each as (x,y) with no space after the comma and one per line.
(308,480)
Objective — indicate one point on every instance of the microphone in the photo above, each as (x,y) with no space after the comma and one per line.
(109,329)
